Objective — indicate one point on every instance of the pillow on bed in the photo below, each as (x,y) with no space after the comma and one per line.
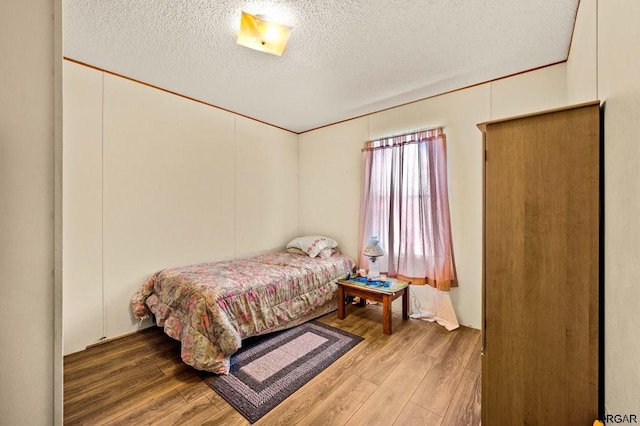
(328,252)
(324,253)
(295,250)
(312,245)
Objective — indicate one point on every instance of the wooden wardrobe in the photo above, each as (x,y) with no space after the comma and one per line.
(542,268)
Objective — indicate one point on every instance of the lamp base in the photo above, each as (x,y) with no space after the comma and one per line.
(374,271)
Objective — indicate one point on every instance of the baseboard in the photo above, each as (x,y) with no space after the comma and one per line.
(111,339)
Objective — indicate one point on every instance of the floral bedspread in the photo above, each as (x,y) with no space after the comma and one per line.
(211,307)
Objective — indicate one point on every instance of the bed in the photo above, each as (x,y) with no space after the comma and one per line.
(211,307)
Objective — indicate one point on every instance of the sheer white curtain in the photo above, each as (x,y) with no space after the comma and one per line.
(405,203)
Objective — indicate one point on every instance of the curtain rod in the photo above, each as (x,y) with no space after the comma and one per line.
(406,133)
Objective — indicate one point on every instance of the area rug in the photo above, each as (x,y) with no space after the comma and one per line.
(267,369)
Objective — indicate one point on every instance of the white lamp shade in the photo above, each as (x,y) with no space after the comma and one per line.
(373,249)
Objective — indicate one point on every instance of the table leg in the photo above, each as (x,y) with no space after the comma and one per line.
(341,304)
(405,304)
(386,314)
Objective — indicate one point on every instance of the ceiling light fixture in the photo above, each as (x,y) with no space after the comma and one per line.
(258,33)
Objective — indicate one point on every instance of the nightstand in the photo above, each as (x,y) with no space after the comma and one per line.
(379,294)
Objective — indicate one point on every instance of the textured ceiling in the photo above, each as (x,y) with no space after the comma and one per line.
(345,58)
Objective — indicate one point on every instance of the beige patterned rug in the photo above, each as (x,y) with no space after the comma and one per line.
(267,369)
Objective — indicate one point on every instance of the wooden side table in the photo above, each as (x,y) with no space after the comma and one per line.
(378,294)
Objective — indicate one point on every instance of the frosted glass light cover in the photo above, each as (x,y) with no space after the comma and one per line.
(260,34)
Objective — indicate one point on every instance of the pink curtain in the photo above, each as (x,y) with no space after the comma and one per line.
(405,203)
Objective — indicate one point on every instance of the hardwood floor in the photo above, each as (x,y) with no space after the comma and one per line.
(420,375)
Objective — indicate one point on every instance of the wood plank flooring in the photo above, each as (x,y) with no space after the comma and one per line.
(420,375)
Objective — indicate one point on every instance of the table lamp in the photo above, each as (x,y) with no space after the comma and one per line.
(373,251)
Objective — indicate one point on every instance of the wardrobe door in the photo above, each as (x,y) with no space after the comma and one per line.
(540,292)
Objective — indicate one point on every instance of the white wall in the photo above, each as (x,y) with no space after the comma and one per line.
(582,64)
(529,92)
(608,37)
(266,188)
(329,182)
(155,180)
(82,206)
(28,363)
(330,167)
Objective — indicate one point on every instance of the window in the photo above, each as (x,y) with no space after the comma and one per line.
(405,203)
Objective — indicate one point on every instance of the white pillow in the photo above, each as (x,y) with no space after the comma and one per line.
(328,252)
(295,250)
(313,244)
